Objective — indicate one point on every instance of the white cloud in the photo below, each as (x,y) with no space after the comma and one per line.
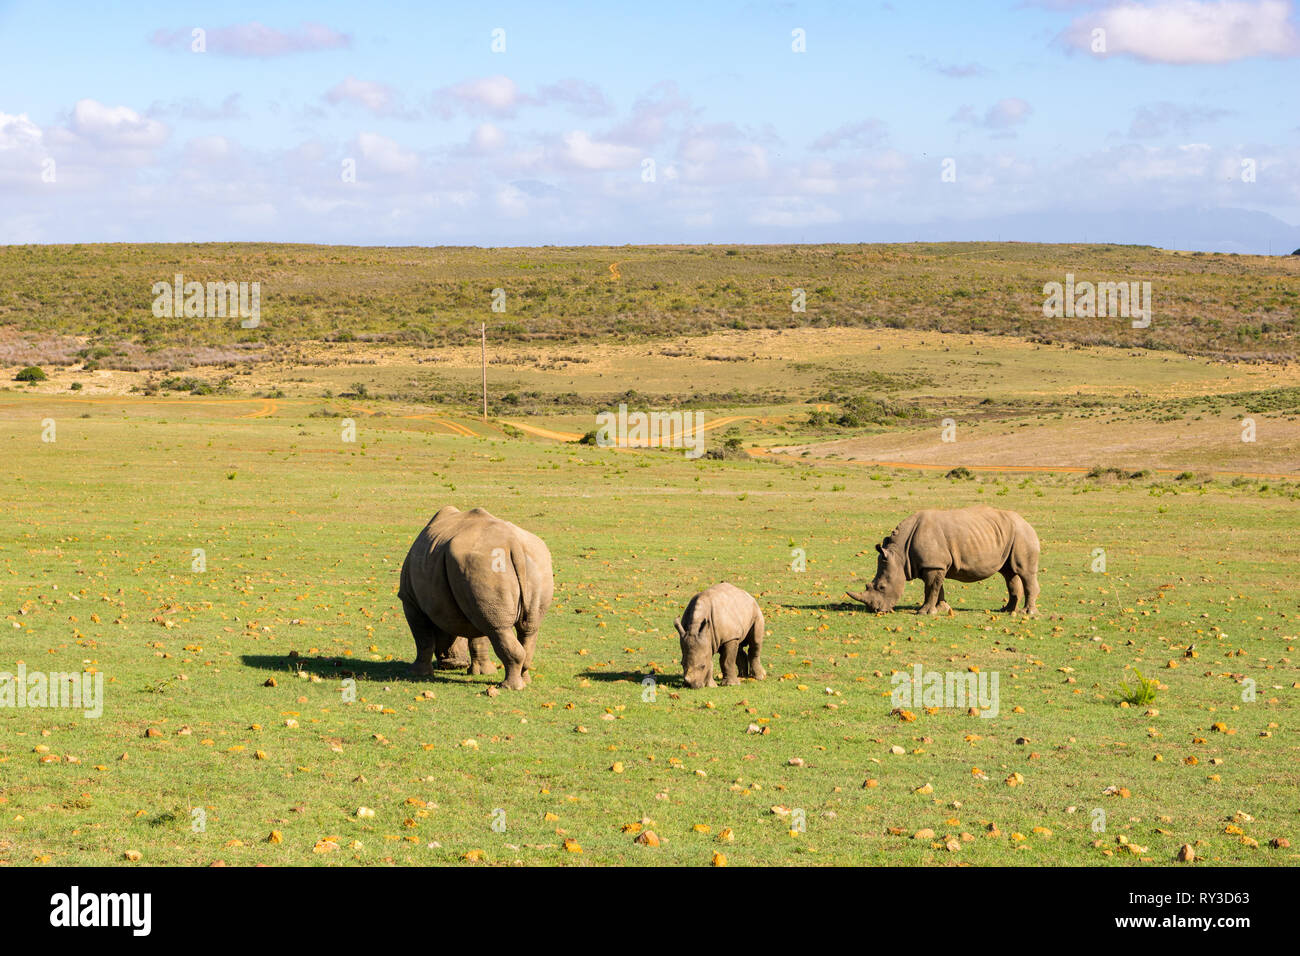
(791,212)
(1002,115)
(512,202)
(1160,119)
(378,98)
(860,135)
(581,150)
(385,155)
(257,40)
(585,99)
(497,95)
(18,132)
(487,138)
(651,115)
(195,109)
(1191,31)
(208,149)
(116,126)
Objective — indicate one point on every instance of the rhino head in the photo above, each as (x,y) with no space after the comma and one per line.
(887,587)
(697,654)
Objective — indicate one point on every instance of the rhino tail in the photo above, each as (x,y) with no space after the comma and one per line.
(519,558)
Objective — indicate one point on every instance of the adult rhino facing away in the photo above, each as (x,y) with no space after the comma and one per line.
(964,544)
(470,577)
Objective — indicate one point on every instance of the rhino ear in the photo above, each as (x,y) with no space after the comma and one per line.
(681,631)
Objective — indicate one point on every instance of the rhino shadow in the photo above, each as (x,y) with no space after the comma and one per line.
(338,668)
(855,606)
(632,677)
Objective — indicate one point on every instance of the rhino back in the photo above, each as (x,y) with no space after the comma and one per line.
(462,572)
(730,609)
(970,544)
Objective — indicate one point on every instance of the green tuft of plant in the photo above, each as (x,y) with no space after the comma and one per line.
(32,373)
(1141,694)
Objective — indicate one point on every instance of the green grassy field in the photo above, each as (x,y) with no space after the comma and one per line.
(304,535)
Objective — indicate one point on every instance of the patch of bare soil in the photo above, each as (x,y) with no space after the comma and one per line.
(1210,444)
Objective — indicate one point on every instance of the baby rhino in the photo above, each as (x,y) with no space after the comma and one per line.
(726,621)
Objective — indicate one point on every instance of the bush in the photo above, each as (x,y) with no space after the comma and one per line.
(858,411)
(733,449)
(961,471)
(1142,694)
(195,386)
(32,373)
(1120,474)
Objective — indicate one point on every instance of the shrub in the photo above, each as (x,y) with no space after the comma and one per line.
(32,373)
(1142,694)
(733,449)
(1121,474)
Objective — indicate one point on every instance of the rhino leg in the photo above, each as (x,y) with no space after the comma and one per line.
(1025,567)
(753,649)
(943,606)
(426,637)
(512,655)
(933,588)
(480,662)
(528,638)
(1030,584)
(452,652)
(1015,591)
(727,654)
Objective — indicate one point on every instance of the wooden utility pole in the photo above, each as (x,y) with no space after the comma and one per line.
(483,341)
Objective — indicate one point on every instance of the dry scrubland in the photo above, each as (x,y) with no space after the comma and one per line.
(1218,305)
(188,434)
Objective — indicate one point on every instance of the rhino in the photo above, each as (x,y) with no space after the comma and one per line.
(963,544)
(726,621)
(471,580)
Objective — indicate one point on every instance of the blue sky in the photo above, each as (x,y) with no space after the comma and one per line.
(113,129)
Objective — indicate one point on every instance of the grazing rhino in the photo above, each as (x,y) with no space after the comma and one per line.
(964,544)
(470,576)
(726,621)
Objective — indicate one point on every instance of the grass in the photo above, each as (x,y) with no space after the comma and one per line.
(303,536)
